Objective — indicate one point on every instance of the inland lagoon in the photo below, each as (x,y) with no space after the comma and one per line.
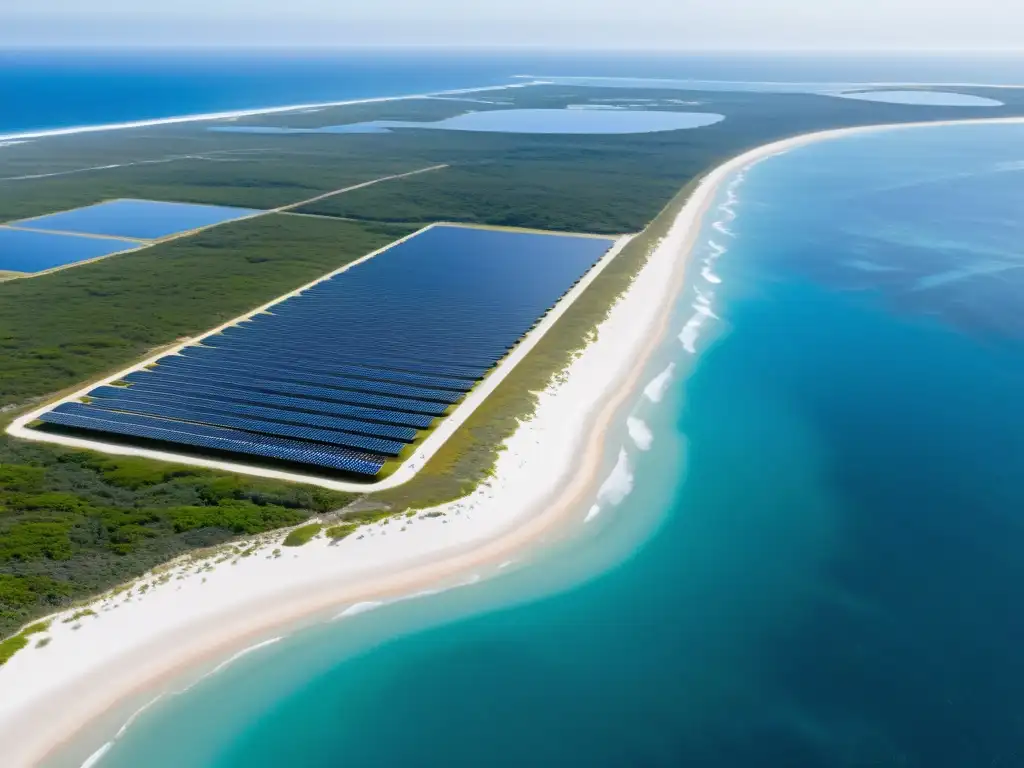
(542,121)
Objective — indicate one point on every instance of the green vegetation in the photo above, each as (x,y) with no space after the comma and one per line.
(75,524)
(339,532)
(79,615)
(35,629)
(11,646)
(302,535)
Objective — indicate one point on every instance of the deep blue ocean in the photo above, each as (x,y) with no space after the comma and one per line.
(820,562)
(52,89)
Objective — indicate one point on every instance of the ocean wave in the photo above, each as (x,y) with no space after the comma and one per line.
(135,716)
(710,276)
(640,433)
(691,331)
(356,608)
(594,512)
(703,307)
(244,652)
(619,483)
(719,226)
(658,386)
(96,756)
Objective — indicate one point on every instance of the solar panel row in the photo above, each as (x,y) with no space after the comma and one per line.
(360,361)
(252,424)
(178,363)
(217,439)
(123,402)
(374,359)
(299,404)
(320,393)
(324,367)
(458,353)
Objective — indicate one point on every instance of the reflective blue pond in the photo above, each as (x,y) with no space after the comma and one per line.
(22,251)
(142,219)
(524,121)
(925,98)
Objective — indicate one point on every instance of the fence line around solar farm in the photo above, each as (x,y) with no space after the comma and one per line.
(288,208)
(405,472)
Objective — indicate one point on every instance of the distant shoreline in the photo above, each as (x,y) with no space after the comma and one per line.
(51,694)
(42,133)
(10,139)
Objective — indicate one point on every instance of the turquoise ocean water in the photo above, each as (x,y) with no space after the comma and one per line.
(820,562)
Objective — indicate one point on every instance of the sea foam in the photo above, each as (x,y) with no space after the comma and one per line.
(691,331)
(96,756)
(135,716)
(640,433)
(658,386)
(228,662)
(619,482)
(356,608)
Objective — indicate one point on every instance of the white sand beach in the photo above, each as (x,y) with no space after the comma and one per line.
(205,611)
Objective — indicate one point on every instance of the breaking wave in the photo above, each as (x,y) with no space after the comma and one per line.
(619,482)
(658,386)
(356,608)
(96,756)
(640,433)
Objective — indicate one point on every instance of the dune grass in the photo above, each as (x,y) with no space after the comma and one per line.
(302,535)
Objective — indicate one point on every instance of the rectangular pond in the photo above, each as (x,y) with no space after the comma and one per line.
(25,251)
(137,219)
(347,375)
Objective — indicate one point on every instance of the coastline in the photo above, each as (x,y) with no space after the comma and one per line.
(10,139)
(538,489)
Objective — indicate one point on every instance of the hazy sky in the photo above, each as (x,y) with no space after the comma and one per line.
(665,24)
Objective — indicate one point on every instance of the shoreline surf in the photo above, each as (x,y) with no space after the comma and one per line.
(33,728)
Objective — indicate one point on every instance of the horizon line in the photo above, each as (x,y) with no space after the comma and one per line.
(130,45)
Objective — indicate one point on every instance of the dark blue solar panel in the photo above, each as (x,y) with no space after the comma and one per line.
(323,367)
(167,389)
(390,344)
(260,373)
(125,399)
(369,358)
(249,424)
(216,438)
(185,379)
(419,355)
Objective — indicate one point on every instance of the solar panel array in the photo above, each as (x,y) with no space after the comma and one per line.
(347,374)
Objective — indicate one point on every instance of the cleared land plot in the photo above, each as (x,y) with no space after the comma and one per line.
(135,219)
(345,375)
(29,251)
